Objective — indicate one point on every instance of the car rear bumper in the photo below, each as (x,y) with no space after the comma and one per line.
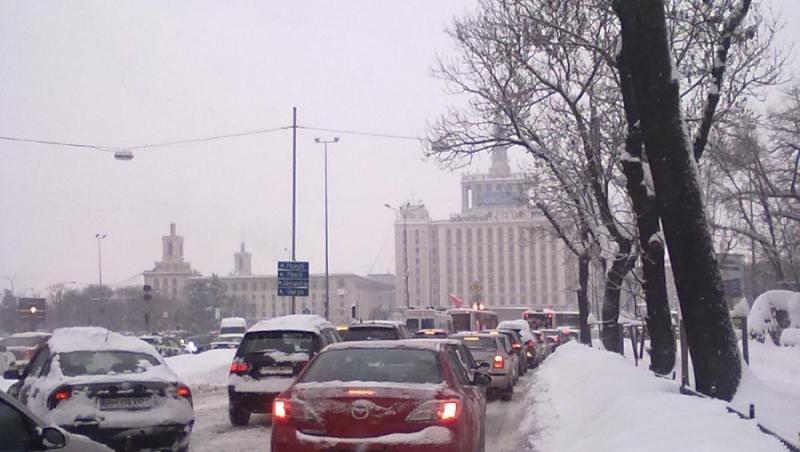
(133,439)
(440,439)
(252,402)
(501,380)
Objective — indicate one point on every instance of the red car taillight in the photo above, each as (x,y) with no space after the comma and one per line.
(280,410)
(59,395)
(238,367)
(296,411)
(516,346)
(443,411)
(498,362)
(184,391)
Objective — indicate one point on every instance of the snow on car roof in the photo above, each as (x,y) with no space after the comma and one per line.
(422,344)
(91,338)
(31,334)
(297,322)
(374,323)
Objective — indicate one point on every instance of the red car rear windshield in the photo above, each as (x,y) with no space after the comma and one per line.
(382,365)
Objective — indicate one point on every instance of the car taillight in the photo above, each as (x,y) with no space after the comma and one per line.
(280,410)
(436,411)
(58,396)
(238,367)
(498,362)
(516,346)
(184,391)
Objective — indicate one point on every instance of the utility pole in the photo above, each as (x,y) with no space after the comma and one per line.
(294,191)
(327,279)
(100,237)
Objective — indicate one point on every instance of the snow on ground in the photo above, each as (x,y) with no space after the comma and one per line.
(772,384)
(586,399)
(203,371)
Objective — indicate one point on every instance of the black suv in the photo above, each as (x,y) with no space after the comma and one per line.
(271,354)
(376,330)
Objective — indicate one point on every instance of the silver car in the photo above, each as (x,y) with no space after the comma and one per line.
(495,359)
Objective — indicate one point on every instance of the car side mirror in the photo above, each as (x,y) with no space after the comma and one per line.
(53,438)
(481,379)
(12,374)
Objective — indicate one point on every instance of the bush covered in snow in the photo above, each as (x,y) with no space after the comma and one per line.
(790,337)
(772,312)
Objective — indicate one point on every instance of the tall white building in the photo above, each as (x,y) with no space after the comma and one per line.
(168,276)
(496,250)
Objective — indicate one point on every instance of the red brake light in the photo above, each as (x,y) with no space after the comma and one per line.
(184,391)
(238,367)
(498,362)
(280,409)
(62,394)
(443,411)
(516,345)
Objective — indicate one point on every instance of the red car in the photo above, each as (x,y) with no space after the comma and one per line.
(408,395)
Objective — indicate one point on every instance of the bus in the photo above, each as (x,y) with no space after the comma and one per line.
(510,312)
(547,319)
(428,319)
(472,319)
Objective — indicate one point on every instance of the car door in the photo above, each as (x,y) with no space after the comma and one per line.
(474,402)
(29,389)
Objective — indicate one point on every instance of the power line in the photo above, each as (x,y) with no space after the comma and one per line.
(61,143)
(366,134)
(205,139)
(211,138)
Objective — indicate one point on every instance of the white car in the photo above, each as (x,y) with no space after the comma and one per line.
(114,389)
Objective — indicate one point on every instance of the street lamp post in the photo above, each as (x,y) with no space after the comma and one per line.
(99,237)
(403,212)
(327,282)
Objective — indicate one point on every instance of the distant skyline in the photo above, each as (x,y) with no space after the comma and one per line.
(126,73)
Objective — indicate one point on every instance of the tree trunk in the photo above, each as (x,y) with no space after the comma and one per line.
(711,338)
(583,297)
(612,330)
(659,320)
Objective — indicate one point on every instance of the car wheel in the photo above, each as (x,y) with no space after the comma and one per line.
(238,418)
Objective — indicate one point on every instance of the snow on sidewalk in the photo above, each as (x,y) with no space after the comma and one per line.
(586,399)
(204,371)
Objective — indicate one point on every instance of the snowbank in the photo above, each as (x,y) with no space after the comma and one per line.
(762,320)
(588,399)
(790,337)
(204,371)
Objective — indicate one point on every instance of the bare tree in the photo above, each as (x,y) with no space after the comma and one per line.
(655,84)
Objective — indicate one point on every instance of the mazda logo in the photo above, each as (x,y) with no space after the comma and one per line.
(359,410)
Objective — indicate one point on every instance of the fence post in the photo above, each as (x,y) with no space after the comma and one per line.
(745,345)
(684,356)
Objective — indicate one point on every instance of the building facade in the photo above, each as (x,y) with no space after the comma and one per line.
(495,251)
(255,296)
(169,275)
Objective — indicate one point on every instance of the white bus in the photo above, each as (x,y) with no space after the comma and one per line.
(465,319)
(428,319)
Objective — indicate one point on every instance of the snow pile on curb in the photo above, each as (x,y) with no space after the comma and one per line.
(204,371)
(762,320)
(588,399)
(772,384)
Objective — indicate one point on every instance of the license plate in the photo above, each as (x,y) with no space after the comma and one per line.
(126,403)
(278,370)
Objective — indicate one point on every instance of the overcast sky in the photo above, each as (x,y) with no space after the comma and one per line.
(128,73)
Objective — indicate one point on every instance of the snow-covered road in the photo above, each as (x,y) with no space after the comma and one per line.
(213,432)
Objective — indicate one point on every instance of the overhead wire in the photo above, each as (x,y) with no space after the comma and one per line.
(206,139)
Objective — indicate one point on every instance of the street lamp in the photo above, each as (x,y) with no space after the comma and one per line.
(327,282)
(100,237)
(403,211)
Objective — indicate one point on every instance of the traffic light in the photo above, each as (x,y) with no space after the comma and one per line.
(147,296)
(353,311)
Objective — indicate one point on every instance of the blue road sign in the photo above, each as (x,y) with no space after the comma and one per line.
(290,274)
(293,266)
(287,292)
(292,279)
